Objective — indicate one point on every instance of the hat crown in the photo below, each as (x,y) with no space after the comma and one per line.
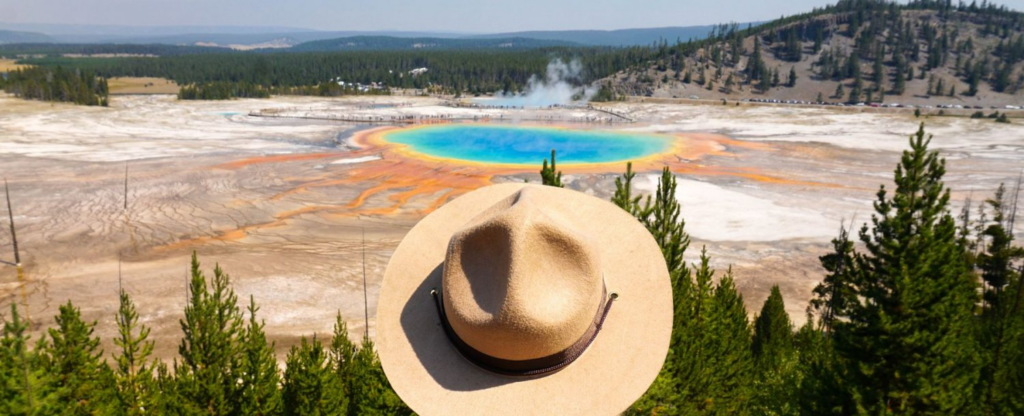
(519,282)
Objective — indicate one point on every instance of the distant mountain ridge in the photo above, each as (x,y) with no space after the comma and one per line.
(12,36)
(242,36)
(621,37)
(357,43)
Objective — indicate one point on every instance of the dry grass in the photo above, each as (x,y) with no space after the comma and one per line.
(8,65)
(142,85)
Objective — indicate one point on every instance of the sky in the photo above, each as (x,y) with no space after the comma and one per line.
(455,16)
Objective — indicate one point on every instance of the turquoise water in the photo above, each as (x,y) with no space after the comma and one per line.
(528,145)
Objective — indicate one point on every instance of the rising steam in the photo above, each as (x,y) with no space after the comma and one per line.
(554,89)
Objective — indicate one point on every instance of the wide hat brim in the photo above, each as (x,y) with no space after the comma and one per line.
(430,375)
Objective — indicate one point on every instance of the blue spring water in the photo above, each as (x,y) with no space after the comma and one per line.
(528,145)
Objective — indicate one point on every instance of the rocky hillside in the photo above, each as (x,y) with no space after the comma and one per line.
(923,52)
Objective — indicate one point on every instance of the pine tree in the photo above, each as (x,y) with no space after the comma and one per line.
(21,372)
(133,373)
(907,342)
(791,82)
(342,353)
(663,393)
(623,197)
(210,349)
(371,393)
(899,83)
(773,331)
(311,387)
(1002,335)
(550,176)
(167,400)
(821,387)
(839,91)
(728,348)
(259,375)
(776,379)
(666,225)
(833,295)
(709,364)
(80,381)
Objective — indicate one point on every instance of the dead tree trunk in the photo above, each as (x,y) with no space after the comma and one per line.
(10,215)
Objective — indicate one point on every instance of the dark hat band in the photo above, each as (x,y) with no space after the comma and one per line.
(534,366)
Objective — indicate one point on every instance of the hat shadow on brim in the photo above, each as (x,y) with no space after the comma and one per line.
(420,315)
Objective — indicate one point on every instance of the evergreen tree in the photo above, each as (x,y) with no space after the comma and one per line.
(907,342)
(839,91)
(210,350)
(833,295)
(623,197)
(709,365)
(79,381)
(727,349)
(133,373)
(791,82)
(550,176)
(21,372)
(776,379)
(311,387)
(168,399)
(342,353)
(899,83)
(773,332)
(666,225)
(663,394)
(821,386)
(259,375)
(1002,335)
(371,393)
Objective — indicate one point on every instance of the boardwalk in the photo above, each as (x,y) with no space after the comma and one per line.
(602,116)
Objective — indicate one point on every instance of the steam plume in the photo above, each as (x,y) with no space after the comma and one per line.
(554,89)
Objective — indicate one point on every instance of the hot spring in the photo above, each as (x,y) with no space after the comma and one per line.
(519,145)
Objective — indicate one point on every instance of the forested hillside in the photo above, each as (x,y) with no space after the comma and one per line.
(448,71)
(856,50)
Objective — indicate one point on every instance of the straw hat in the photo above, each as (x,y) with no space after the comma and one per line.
(524,299)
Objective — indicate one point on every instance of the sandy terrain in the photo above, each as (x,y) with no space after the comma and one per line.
(281,203)
(141,85)
(8,65)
